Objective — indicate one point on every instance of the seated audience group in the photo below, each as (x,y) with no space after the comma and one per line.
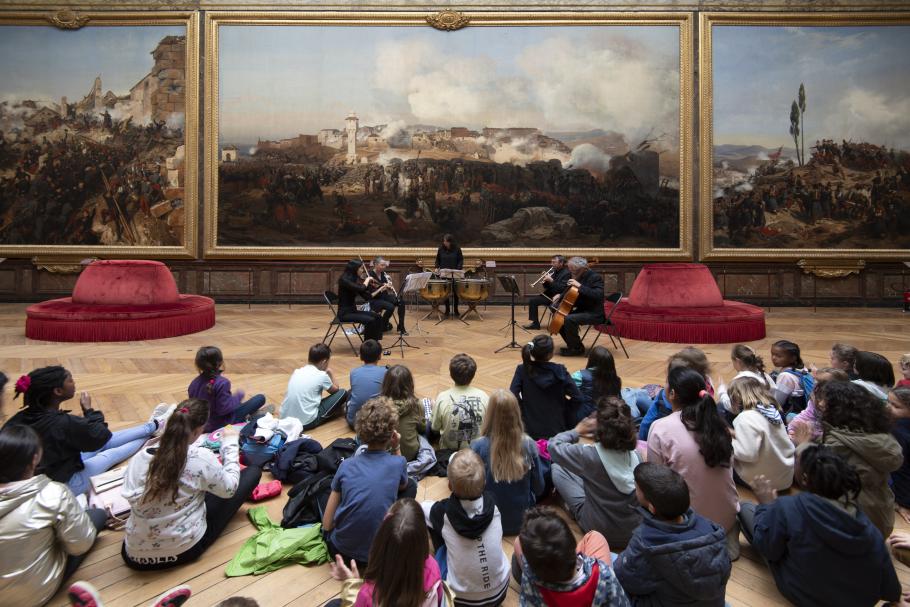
(649,474)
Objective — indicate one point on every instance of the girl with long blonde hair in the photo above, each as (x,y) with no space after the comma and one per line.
(761,445)
(511,460)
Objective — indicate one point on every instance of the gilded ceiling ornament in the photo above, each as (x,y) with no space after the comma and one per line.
(448,21)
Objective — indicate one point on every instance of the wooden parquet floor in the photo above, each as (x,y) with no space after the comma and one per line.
(264,344)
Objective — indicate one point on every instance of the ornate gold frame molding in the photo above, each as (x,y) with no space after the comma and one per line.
(831,268)
(449,20)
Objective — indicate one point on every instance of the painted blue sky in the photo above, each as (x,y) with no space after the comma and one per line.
(278,81)
(857,83)
(45,63)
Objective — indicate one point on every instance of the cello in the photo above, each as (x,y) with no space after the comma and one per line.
(566,303)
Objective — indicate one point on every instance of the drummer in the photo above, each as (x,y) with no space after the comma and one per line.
(449,257)
(386,301)
(554,283)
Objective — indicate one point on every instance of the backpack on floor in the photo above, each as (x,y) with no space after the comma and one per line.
(307,501)
(331,457)
(257,452)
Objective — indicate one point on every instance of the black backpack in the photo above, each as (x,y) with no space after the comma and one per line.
(331,457)
(296,460)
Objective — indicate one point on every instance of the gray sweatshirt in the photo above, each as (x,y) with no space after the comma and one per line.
(606,508)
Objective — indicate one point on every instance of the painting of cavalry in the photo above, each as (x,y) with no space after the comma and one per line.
(92,136)
(811,142)
(503,137)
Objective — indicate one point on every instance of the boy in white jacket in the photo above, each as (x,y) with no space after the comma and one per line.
(466,529)
(761,445)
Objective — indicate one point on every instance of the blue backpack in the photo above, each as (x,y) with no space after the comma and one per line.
(795,404)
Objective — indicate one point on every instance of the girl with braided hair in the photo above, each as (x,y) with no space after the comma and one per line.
(821,548)
(76,447)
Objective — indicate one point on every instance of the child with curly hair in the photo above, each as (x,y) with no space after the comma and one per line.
(596,481)
(366,485)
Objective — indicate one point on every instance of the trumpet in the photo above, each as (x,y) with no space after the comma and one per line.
(549,273)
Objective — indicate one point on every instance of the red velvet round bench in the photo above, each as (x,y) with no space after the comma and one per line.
(681,303)
(120,300)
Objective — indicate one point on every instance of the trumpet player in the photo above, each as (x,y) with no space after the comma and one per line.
(554,282)
(387,300)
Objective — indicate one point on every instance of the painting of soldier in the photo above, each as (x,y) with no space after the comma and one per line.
(812,150)
(92,149)
(503,137)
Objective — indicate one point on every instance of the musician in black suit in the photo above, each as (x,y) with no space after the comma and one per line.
(589,306)
(354,282)
(387,301)
(554,284)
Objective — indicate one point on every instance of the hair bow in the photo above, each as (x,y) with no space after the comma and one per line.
(702,394)
(23,384)
(531,343)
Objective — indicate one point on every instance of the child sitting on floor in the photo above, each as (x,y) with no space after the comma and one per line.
(904,382)
(553,571)
(689,358)
(367,484)
(466,529)
(747,363)
(821,548)
(807,423)
(791,377)
(595,481)
(675,557)
(899,407)
(210,385)
(401,570)
(366,380)
(874,373)
(398,385)
(761,445)
(458,412)
(304,394)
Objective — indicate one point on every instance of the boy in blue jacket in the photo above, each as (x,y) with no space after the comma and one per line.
(675,557)
(821,549)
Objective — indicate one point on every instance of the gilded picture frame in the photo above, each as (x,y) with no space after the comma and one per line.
(115,172)
(216,24)
(762,188)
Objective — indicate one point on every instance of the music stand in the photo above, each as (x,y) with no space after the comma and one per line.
(413,283)
(451,274)
(511,286)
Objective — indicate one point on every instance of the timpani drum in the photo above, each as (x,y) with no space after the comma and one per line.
(436,290)
(472,291)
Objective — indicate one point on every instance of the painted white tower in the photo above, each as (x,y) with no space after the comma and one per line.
(350,125)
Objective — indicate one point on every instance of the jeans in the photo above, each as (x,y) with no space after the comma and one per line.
(122,445)
(218,513)
(248,408)
(638,400)
(746,518)
(331,405)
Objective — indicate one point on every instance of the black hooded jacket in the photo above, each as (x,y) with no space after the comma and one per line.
(548,398)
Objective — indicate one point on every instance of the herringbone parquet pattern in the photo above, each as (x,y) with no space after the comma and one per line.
(264,344)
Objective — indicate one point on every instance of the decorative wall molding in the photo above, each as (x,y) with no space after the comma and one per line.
(831,268)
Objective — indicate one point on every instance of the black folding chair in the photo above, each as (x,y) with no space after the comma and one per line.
(607,324)
(331,300)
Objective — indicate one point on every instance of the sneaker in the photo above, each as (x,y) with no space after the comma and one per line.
(160,415)
(83,594)
(533,326)
(175,597)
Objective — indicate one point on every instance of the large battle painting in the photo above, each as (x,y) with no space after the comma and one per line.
(811,138)
(502,136)
(92,144)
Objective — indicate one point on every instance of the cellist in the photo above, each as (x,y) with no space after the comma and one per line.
(589,305)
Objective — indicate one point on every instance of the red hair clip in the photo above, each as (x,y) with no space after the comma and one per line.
(23,384)
(184,410)
(212,381)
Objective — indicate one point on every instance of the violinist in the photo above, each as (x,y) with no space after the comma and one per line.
(589,306)
(387,301)
(355,281)
(554,283)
